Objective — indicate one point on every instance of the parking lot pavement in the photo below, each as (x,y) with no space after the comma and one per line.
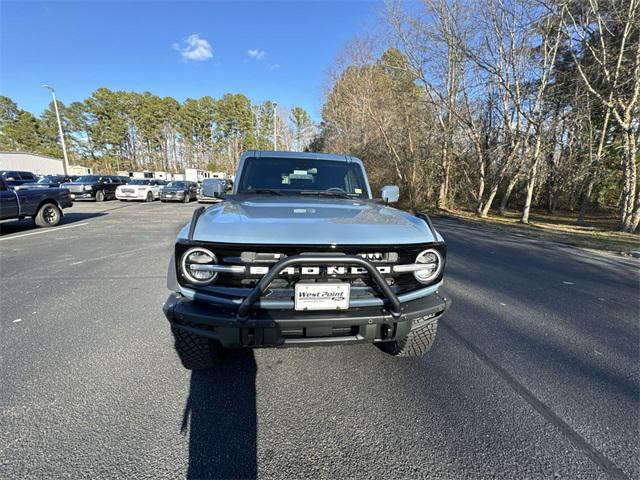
(534,374)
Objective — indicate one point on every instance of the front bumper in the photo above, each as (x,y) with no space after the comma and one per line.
(88,195)
(207,199)
(176,196)
(131,196)
(267,328)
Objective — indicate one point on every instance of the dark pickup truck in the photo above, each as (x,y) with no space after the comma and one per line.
(44,205)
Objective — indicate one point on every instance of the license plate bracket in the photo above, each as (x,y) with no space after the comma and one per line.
(322,296)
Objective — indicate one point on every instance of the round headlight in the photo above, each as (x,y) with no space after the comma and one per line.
(432,261)
(195,265)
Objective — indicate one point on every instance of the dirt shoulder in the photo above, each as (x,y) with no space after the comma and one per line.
(598,231)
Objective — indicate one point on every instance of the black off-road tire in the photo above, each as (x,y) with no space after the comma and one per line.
(195,352)
(418,342)
(187,198)
(100,196)
(149,197)
(48,215)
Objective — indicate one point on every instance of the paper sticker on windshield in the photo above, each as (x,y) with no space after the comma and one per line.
(357,190)
(299,172)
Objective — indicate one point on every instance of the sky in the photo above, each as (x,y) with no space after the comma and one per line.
(267,50)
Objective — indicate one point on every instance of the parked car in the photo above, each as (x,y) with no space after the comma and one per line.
(301,254)
(212,190)
(179,191)
(43,204)
(13,178)
(54,181)
(94,187)
(147,189)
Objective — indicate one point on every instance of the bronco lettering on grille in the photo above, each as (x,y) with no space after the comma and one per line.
(329,270)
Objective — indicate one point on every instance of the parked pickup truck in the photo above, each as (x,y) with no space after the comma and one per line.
(44,205)
(301,254)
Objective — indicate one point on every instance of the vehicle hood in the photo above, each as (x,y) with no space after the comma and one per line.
(79,183)
(37,185)
(174,189)
(308,221)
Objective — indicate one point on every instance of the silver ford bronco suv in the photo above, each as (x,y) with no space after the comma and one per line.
(300,254)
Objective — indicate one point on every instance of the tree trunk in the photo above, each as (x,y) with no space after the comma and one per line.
(593,168)
(627,207)
(444,181)
(531,182)
(507,193)
(584,200)
(480,188)
(635,219)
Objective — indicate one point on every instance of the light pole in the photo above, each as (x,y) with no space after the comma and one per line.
(64,147)
(275,117)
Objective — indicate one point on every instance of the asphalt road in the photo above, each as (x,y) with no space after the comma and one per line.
(535,372)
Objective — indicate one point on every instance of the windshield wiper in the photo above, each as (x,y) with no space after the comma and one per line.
(262,190)
(328,193)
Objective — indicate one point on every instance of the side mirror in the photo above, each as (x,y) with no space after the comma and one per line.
(390,193)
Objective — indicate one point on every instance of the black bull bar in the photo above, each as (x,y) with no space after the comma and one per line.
(319,259)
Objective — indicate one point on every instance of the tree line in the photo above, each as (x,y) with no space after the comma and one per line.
(116,130)
(496,103)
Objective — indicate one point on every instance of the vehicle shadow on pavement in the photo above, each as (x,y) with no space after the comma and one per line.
(18,226)
(220,417)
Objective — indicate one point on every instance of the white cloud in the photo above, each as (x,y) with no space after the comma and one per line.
(256,53)
(194,48)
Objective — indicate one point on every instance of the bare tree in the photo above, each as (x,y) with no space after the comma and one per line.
(605,41)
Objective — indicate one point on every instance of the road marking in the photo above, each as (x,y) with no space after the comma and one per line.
(49,230)
(597,457)
(17,320)
(568,283)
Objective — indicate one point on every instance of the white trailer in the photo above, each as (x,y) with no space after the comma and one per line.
(196,175)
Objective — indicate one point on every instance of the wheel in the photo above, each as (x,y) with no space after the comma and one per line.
(163,201)
(149,197)
(195,352)
(418,342)
(187,198)
(49,215)
(99,196)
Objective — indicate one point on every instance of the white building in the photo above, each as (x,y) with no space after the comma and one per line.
(79,170)
(38,164)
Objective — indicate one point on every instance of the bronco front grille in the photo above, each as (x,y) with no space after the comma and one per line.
(258,259)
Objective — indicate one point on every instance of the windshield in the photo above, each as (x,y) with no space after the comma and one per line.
(294,175)
(139,182)
(177,184)
(50,179)
(88,179)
